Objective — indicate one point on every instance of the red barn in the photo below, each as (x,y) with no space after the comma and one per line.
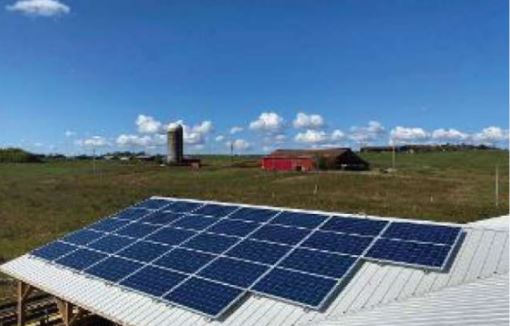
(313,159)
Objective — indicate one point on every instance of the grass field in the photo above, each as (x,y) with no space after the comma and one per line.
(40,202)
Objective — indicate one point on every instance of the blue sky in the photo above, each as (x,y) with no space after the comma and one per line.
(76,74)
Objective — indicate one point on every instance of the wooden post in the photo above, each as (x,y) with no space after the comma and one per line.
(24,291)
(66,311)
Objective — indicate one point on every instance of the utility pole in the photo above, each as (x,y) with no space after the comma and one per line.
(231,151)
(393,158)
(94,160)
(496,186)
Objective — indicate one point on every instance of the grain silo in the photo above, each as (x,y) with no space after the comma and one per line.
(175,145)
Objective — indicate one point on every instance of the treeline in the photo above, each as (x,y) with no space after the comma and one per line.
(427,148)
(17,155)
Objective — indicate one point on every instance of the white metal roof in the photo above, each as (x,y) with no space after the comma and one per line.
(483,255)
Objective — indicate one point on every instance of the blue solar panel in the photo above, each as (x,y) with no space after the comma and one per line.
(197,223)
(234,227)
(161,218)
(111,243)
(171,236)
(253,214)
(210,242)
(422,232)
(280,234)
(108,225)
(113,269)
(305,220)
(188,261)
(297,287)
(340,243)
(184,207)
(144,251)
(203,296)
(82,237)
(321,263)
(354,225)
(268,253)
(132,214)
(153,203)
(233,272)
(154,281)
(53,250)
(137,230)
(422,254)
(215,210)
(81,259)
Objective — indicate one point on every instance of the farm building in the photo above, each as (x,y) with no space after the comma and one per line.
(313,159)
(470,287)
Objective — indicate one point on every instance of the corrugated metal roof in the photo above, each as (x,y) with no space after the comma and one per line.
(483,254)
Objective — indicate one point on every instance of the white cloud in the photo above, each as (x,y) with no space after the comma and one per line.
(235,130)
(369,133)
(491,135)
(268,122)
(94,141)
(220,138)
(148,125)
(280,138)
(308,121)
(449,135)
(134,141)
(46,8)
(239,145)
(311,137)
(409,135)
(194,135)
(337,135)
(69,133)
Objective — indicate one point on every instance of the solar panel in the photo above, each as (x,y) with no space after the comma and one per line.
(53,250)
(113,269)
(280,234)
(253,214)
(234,227)
(321,263)
(212,243)
(233,272)
(353,225)
(184,260)
(339,243)
(153,281)
(205,297)
(81,259)
(296,287)
(267,253)
(305,220)
(204,257)
(422,232)
(412,253)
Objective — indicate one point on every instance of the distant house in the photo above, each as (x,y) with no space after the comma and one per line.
(313,159)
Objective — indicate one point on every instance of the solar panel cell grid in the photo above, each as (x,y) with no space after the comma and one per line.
(196,223)
(212,243)
(339,243)
(324,264)
(137,230)
(234,272)
(154,281)
(153,203)
(215,210)
(144,251)
(83,237)
(267,253)
(204,296)
(353,225)
(161,218)
(171,236)
(280,234)
(113,269)
(234,227)
(132,214)
(188,261)
(422,232)
(108,225)
(111,244)
(184,207)
(53,250)
(309,221)
(297,287)
(253,214)
(80,259)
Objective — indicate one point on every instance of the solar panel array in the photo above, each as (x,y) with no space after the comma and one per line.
(205,257)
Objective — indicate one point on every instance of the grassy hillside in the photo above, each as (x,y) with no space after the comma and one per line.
(40,202)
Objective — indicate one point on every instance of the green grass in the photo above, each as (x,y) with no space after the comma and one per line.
(40,202)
